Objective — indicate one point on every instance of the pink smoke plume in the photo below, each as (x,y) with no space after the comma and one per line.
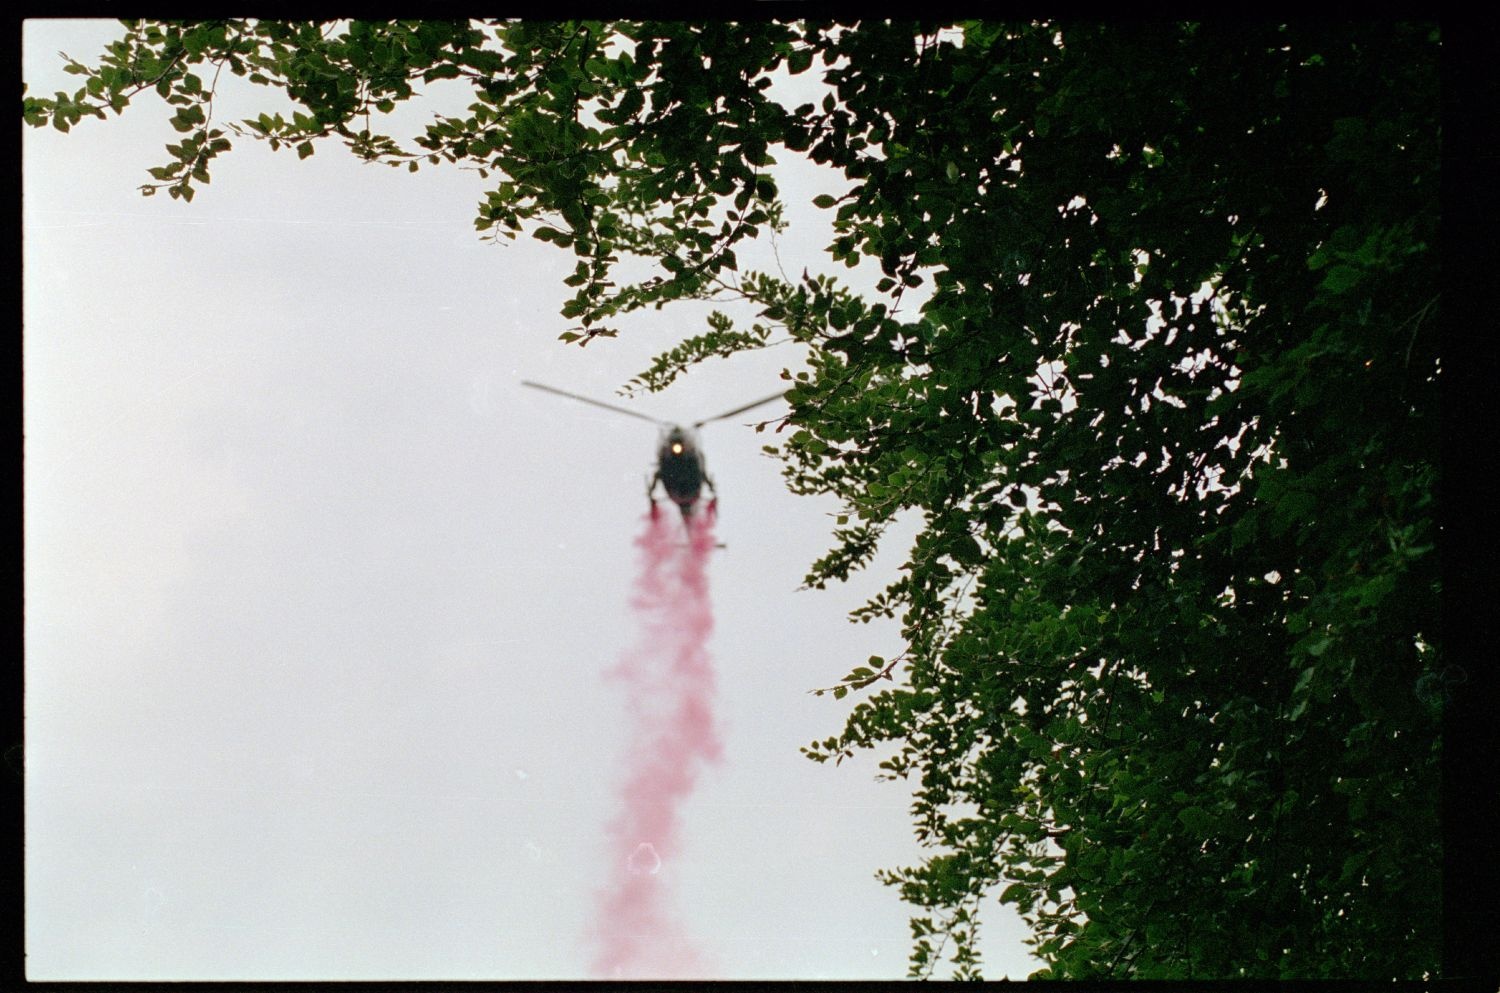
(669,688)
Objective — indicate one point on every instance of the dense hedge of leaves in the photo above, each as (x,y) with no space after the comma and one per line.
(1173,676)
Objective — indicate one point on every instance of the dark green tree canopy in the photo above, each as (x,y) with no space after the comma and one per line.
(1173,675)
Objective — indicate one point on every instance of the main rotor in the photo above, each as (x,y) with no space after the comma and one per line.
(644,417)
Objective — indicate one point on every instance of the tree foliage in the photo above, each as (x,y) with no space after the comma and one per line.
(1173,675)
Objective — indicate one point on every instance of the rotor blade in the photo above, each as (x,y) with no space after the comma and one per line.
(596,403)
(739,410)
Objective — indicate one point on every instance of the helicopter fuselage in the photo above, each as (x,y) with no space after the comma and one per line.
(680,470)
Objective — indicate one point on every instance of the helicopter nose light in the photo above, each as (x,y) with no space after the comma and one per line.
(676,448)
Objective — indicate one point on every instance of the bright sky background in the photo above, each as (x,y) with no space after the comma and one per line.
(318,601)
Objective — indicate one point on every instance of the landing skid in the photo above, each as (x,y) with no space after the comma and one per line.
(710,514)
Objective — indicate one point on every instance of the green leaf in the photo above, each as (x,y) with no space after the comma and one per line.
(1341,279)
(1017,894)
(1198,821)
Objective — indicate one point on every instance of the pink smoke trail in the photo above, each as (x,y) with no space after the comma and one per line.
(669,687)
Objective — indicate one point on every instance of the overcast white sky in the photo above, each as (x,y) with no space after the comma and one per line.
(318,602)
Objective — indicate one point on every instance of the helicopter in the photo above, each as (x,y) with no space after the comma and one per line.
(680,469)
